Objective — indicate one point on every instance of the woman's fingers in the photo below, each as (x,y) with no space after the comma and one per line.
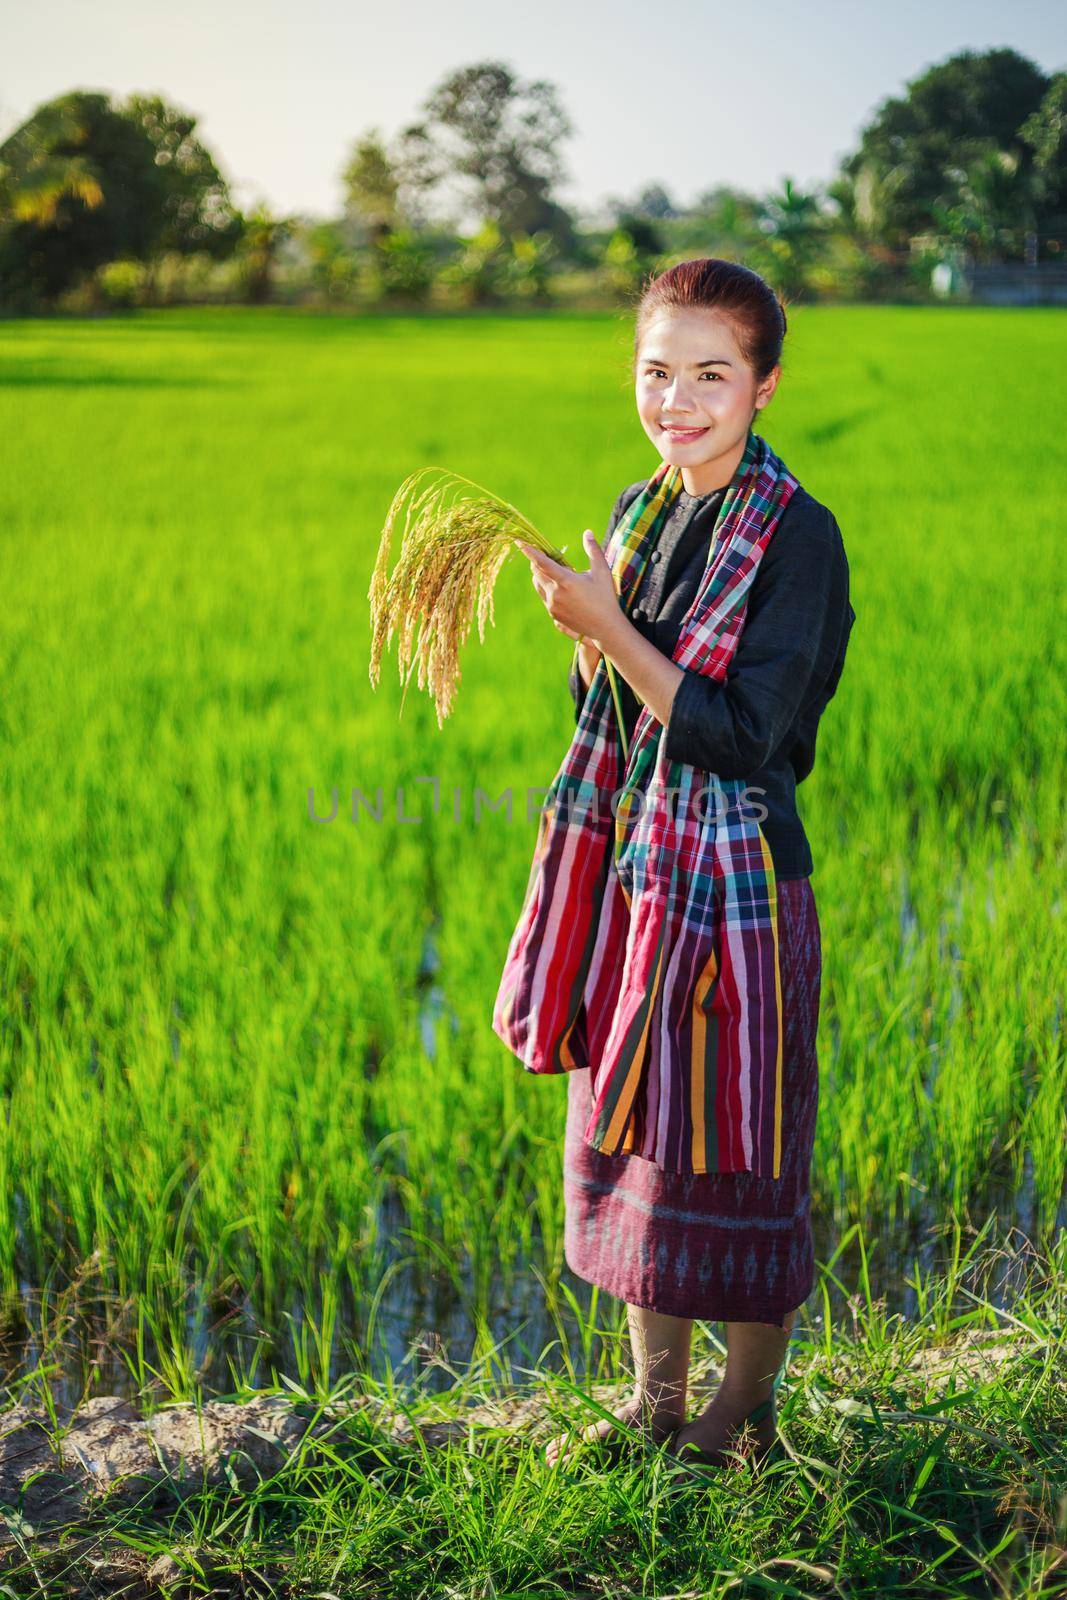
(545,564)
(546,591)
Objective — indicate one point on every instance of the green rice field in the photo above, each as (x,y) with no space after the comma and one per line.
(256,1124)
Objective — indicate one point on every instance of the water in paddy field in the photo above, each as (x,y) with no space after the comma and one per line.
(421,1323)
(422,1326)
(417,1319)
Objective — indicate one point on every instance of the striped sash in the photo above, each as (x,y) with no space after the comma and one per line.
(647,944)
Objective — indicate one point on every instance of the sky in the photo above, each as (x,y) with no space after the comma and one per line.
(690,96)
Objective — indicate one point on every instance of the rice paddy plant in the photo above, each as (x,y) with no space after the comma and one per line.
(456,536)
(923,1456)
(225,1100)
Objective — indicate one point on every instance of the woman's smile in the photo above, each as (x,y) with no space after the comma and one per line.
(681,435)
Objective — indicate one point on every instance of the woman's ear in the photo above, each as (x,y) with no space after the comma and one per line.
(766,389)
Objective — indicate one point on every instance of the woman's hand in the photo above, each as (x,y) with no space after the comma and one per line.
(583,605)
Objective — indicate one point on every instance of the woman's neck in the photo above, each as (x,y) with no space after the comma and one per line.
(715,474)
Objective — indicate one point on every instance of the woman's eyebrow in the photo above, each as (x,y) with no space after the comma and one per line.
(658,361)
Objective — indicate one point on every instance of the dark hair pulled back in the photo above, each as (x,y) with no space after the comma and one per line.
(711,284)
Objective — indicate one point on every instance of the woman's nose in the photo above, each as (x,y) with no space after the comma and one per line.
(676,397)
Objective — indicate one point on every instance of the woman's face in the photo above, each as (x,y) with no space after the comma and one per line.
(696,394)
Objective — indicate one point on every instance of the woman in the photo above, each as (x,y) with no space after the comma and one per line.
(677,1238)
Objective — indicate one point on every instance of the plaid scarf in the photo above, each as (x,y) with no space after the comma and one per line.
(655,961)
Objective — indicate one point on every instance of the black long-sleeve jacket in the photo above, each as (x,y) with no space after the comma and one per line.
(760,724)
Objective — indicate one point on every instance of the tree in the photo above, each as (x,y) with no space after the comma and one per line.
(402,267)
(79,188)
(334,266)
(793,229)
(727,206)
(647,239)
(654,203)
(193,199)
(372,187)
(499,138)
(84,182)
(1045,133)
(420,169)
(38,167)
(994,203)
(263,235)
(721,221)
(479,272)
(918,150)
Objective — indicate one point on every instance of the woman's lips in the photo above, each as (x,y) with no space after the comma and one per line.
(682,434)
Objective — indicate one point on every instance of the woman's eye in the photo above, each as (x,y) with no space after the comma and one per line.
(658,372)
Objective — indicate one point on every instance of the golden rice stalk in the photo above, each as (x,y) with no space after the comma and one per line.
(456,537)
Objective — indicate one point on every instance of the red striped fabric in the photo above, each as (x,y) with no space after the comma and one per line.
(646,948)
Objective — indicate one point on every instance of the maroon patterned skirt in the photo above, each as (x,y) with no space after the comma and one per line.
(726,1246)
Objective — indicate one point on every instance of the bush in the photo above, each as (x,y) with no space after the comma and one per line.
(528,271)
(401,267)
(622,266)
(120,284)
(479,274)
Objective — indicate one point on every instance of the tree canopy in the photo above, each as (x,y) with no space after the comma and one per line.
(84,182)
(923,147)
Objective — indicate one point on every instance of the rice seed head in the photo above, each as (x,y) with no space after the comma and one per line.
(456,536)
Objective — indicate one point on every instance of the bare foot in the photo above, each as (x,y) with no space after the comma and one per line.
(630,1414)
(722,1427)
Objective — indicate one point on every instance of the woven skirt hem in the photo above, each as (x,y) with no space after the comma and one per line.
(721,1310)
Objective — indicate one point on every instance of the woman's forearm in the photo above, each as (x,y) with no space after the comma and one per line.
(652,676)
(588,657)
